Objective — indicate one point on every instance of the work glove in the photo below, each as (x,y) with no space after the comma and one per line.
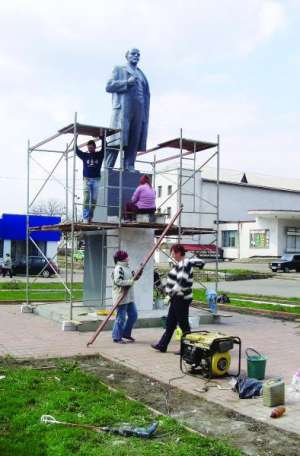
(166,300)
(131,282)
(139,274)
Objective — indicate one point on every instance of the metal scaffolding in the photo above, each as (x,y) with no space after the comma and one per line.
(188,150)
(70,227)
(69,154)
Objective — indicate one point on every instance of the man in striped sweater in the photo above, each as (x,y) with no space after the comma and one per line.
(180,292)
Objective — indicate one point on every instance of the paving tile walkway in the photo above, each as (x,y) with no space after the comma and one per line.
(28,335)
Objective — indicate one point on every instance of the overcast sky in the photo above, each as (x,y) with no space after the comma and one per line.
(214,66)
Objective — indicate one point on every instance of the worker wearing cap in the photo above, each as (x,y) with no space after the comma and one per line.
(122,279)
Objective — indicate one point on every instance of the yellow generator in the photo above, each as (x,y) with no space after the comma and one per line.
(207,352)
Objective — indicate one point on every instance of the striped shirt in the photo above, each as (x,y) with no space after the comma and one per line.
(180,279)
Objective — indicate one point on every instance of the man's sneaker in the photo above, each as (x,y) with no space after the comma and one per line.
(156,347)
(119,341)
(129,338)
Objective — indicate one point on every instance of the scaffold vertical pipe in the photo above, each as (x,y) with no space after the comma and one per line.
(217,215)
(103,233)
(180,189)
(154,171)
(67,216)
(194,171)
(103,265)
(103,146)
(27,222)
(121,182)
(122,158)
(73,217)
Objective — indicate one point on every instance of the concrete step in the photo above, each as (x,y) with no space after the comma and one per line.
(86,319)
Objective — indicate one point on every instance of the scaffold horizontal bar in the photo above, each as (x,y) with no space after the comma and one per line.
(52,151)
(45,141)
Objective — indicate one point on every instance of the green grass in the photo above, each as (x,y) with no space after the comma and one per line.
(71,395)
(36,295)
(199,295)
(237,271)
(273,307)
(266,298)
(15,291)
(18,285)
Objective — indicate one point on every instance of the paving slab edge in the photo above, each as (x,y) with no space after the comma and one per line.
(259,312)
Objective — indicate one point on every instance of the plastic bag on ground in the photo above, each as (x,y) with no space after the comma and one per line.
(247,387)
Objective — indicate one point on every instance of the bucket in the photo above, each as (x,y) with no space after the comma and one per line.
(256,364)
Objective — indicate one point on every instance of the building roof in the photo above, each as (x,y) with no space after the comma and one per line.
(13,226)
(265,187)
(234,176)
(209,175)
(278,213)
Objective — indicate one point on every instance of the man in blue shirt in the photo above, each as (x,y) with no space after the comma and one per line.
(92,162)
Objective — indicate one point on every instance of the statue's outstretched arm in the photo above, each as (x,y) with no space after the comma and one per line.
(115,84)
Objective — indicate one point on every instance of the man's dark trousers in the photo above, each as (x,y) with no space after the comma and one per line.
(178,315)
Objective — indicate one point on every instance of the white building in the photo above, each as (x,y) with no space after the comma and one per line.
(257,219)
(271,233)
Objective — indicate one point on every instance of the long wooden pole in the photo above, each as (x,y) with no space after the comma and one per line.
(136,275)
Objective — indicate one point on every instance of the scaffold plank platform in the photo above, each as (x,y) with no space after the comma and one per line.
(94,226)
(88,130)
(192,145)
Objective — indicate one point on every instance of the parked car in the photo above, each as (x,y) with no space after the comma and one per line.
(200,265)
(36,265)
(286,263)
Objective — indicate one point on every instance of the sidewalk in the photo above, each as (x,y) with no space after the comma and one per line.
(28,335)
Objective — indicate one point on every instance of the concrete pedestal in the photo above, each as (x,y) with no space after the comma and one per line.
(102,244)
(110,198)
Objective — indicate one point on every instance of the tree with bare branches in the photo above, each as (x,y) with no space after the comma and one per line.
(51,206)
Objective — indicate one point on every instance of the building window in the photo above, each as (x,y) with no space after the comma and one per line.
(230,238)
(293,240)
(159,191)
(169,189)
(169,212)
(259,239)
